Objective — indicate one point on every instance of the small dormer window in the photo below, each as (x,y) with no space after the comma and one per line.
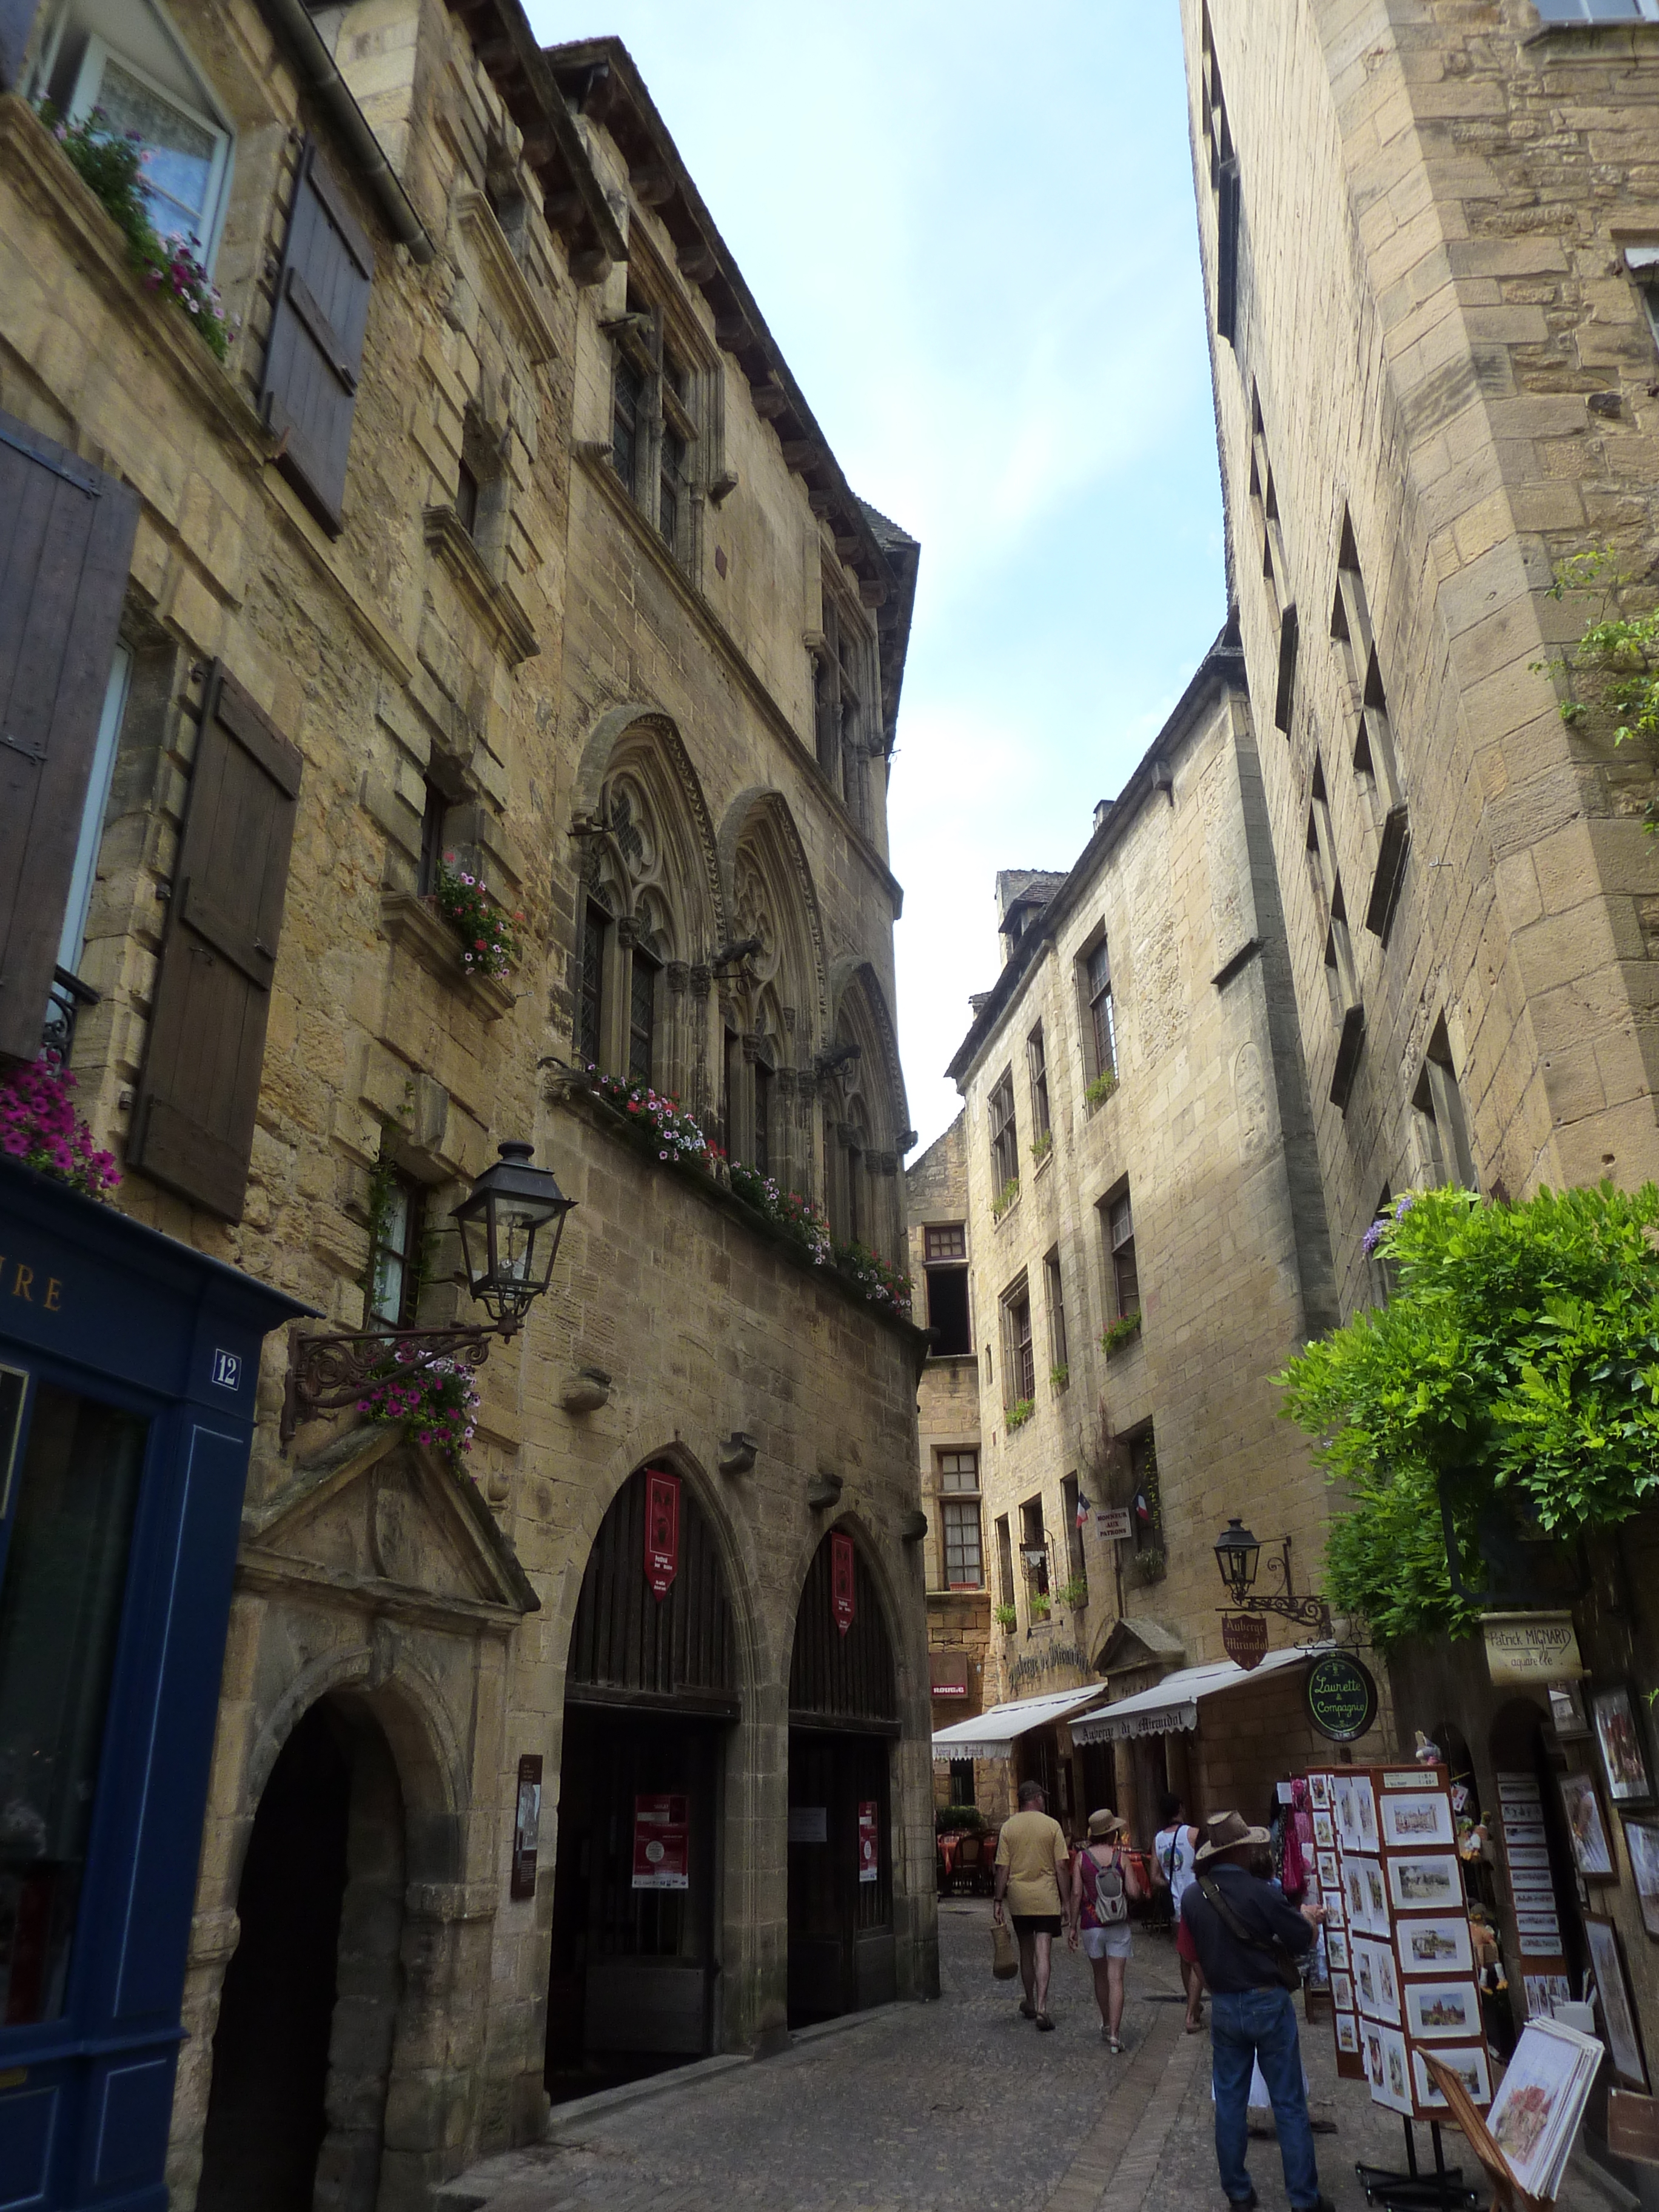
(125,59)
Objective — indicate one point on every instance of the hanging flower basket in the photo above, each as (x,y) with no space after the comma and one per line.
(437,1403)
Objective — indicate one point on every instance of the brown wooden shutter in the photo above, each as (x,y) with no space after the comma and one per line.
(316,346)
(193,1121)
(66,532)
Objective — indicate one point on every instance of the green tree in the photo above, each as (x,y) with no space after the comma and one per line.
(1518,1357)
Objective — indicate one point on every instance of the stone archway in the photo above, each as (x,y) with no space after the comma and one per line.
(650,1698)
(843,1728)
(303,2053)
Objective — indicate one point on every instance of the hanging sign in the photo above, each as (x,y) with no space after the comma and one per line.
(842,1601)
(869,1861)
(1112,1524)
(1338,1694)
(1531,1647)
(526,1825)
(1244,1638)
(662,1530)
(662,1842)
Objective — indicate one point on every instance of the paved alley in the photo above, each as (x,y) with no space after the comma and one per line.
(958,2103)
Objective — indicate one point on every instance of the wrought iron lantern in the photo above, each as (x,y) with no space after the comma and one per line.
(510,1229)
(510,1225)
(1237,1554)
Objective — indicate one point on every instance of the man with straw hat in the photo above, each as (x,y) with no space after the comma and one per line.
(1248,1940)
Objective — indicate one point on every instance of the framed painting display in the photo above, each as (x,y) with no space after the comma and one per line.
(1319,1792)
(1641,1842)
(1375,1983)
(1353,1896)
(1567,1709)
(1545,1991)
(1582,1803)
(1467,2062)
(1431,1881)
(1364,1806)
(1324,1831)
(1336,1911)
(1336,1949)
(1348,2033)
(1612,1995)
(1343,1810)
(1437,2011)
(1377,1896)
(1394,2089)
(1436,1946)
(1416,1819)
(1326,1863)
(1342,1990)
(1622,1742)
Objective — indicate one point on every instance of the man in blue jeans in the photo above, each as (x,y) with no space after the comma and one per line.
(1243,1931)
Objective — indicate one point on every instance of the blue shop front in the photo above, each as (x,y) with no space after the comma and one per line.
(129,1364)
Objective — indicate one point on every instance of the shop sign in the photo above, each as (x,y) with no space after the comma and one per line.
(1112,1524)
(526,1825)
(869,1861)
(950,1673)
(1244,1638)
(662,1530)
(662,1842)
(1531,1647)
(1338,1694)
(809,1824)
(841,1594)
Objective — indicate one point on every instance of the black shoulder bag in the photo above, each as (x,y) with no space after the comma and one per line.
(1285,1965)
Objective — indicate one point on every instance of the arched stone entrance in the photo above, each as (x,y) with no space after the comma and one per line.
(651,1697)
(302,2053)
(843,1722)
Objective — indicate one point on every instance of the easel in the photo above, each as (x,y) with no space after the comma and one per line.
(1508,2196)
(1442,2190)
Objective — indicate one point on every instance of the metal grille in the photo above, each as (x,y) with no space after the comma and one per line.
(842,1677)
(626,1639)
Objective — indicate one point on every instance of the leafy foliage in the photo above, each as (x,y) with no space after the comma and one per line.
(1519,1356)
(1059,1376)
(1117,1334)
(1004,1616)
(797,1216)
(1005,1198)
(1019,1412)
(39,1126)
(112,168)
(489,938)
(1102,1087)
(1074,1594)
(1042,1146)
(1618,652)
(436,1400)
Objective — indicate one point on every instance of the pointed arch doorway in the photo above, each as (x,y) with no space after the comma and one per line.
(650,1701)
(843,1724)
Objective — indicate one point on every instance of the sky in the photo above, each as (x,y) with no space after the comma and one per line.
(971,231)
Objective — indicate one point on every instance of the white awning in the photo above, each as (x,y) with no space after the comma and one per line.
(1172,1706)
(991,1735)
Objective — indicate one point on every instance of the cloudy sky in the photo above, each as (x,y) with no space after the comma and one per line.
(970,228)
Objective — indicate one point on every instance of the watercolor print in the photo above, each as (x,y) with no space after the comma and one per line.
(1421,1884)
(1348,2033)
(1336,1948)
(1364,1806)
(1435,1947)
(1591,1850)
(1348,1822)
(1545,1992)
(1442,2010)
(1342,1991)
(1328,1874)
(1415,1822)
(1623,1745)
(1324,1831)
(1641,1842)
(1469,2064)
(1319,1792)
(1613,1997)
(1395,2089)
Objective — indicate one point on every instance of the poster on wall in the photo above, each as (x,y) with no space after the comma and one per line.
(842,1590)
(662,1530)
(526,1825)
(869,1841)
(662,1842)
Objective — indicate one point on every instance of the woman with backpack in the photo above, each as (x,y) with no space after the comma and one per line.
(1107,1880)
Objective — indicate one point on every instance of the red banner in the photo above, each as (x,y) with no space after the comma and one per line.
(869,1861)
(662,1530)
(662,1842)
(842,1591)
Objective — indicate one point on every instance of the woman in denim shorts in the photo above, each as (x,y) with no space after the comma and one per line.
(1107,1882)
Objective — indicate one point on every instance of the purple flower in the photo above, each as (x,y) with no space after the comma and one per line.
(1405,1205)
(1372,1237)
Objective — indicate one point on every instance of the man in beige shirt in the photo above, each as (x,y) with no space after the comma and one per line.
(1034,1873)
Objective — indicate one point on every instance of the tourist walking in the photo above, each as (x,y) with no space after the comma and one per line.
(1248,1940)
(1107,1883)
(1033,1873)
(1175,1849)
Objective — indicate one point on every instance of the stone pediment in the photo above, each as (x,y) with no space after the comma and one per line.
(380,1513)
(1137,1640)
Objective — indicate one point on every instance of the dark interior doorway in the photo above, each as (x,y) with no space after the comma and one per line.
(296,2108)
(650,1697)
(843,1719)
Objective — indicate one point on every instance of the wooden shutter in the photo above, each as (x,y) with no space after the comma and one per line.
(1226,251)
(193,1121)
(316,346)
(66,532)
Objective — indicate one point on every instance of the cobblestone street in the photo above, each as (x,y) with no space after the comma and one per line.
(960,2103)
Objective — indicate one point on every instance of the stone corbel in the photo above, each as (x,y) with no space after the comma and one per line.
(586,1390)
(737,1453)
(678,974)
(701,978)
(823,1492)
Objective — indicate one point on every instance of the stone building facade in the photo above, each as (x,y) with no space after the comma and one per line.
(502,543)
(1428,238)
(1148,1244)
(948,1424)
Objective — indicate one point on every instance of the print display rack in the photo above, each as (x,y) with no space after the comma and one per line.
(1401,1960)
